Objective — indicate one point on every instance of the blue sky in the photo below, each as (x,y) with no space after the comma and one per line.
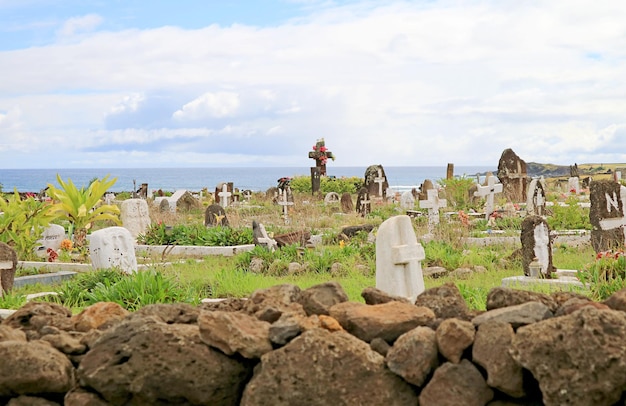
(132,83)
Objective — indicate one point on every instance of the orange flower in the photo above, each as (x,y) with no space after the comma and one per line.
(66,245)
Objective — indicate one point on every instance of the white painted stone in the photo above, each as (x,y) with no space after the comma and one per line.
(398,259)
(135,216)
(612,204)
(331,197)
(6,265)
(573,185)
(224,195)
(380,179)
(407,200)
(113,247)
(50,238)
(488,192)
(171,200)
(541,249)
(535,197)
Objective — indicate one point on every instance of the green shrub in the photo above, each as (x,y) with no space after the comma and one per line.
(302,184)
(457,193)
(606,275)
(195,234)
(569,217)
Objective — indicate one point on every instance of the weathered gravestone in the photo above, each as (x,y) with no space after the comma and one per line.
(285,202)
(424,188)
(331,197)
(142,192)
(135,216)
(215,215)
(52,237)
(433,204)
(363,203)
(606,215)
(573,185)
(346,203)
(225,193)
(316,179)
(376,181)
(261,238)
(536,197)
(113,247)
(8,265)
(488,191)
(407,200)
(536,243)
(398,259)
(513,176)
(171,201)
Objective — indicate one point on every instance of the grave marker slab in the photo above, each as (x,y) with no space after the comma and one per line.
(376,181)
(407,200)
(363,203)
(135,216)
(512,174)
(573,185)
(52,237)
(113,247)
(215,215)
(398,259)
(346,203)
(536,201)
(536,243)
(261,238)
(224,196)
(331,197)
(607,217)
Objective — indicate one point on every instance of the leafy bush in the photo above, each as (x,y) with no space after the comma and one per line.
(569,217)
(302,184)
(195,234)
(606,275)
(457,192)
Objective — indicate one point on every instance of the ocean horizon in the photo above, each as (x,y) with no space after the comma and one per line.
(400,178)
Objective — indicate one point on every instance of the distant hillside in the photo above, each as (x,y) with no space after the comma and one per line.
(555,171)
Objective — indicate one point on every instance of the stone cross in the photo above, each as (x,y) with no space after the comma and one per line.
(380,179)
(398,259)
(321,155)
(283,201)
(224,195)
(365,204)
(489,191)
(433,204)
(612,203)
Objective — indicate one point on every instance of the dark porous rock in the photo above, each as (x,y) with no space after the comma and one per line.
(380,346)
(230,304)
(320,298)
(414,355)
(82,397)
(34,367)
(578,359)
(446,301)
(387,321)
(285,329)
(324,368)
(351,231)
(617,301)
(504,297)
(269,304)
(234,332)
(25,400)
(97,315)
(491,351)
(145,361)
(434,272)
(575,304)
(513,175)
(456,384)
(8,333)
(35,315)
(454,336)
(171,312)
(519,315)
(65,342)
(374,296)
(293,237)
(562,296)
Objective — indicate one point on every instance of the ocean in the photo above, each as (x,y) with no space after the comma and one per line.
(400,178)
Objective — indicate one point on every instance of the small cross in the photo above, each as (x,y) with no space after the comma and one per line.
(433,204)
(224,195)
(489,191)
(285,203)
(380,180)
(365,204)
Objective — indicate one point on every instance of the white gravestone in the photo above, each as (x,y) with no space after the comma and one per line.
(52,237)
(611,204)
(433,204)
(113,247)
(171,200)
(331,197)
(573,185)
(407,200)
(380,179)
(135,216)
(224,195)
(489,191)
(536,198)
(398,259)
(542,246)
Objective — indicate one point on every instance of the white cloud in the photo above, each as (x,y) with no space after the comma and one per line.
(80,24)
(219,104)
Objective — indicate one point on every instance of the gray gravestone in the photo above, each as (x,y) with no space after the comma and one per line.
(316,175)
(224,196)
(8,265)
(513,176)
(135,216)
(113,247)
(215,215)
(606,215)
(376,181)
(363,203)
(398,259)
(536,243)
(424,188)
(52,237)
(407,200)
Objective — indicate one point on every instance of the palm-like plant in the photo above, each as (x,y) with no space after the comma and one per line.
(82,207)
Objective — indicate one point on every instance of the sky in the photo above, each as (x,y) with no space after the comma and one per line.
(255,83)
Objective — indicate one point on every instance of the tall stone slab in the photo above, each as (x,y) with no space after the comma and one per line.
(8,265)
(607,217)
(398,259)
(536,197)
(513,176)
(536,243)
(135,216)
(376,181)
(363,202)
(113,247)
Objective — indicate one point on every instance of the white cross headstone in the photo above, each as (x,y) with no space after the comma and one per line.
(380,179)
(285,203)
(398,259)
(433,204)
(489,191)
(224,195)
(612,203)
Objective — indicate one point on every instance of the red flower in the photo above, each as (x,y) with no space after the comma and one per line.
(323,149)
(314,147)
(52,255)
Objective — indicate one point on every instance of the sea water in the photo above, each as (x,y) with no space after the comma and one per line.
(400,178)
